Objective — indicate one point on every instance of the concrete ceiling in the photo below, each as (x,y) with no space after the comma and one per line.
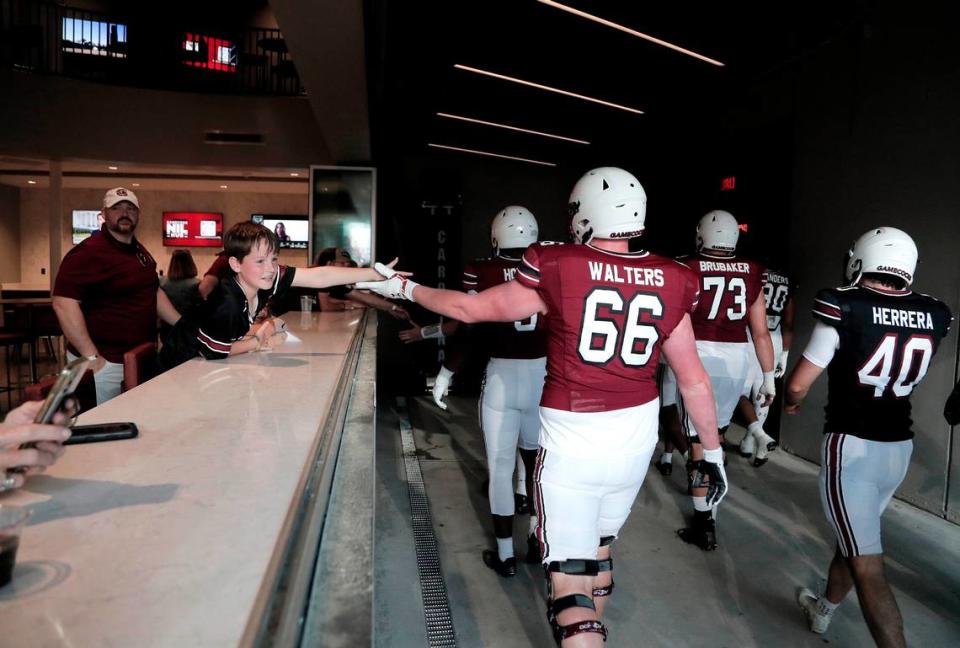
(326,40)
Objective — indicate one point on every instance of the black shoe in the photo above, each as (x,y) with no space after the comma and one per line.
(666,469)
(505,568)
(702,533)
(521,505)
(485,488)
(533,550)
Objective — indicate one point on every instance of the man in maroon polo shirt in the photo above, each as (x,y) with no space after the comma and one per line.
(107,294)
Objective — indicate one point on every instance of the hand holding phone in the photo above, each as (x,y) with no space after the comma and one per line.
(59,398)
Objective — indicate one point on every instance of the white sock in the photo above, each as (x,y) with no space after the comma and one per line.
(666,457)
(505,548)
(533,524)
(755,428)
(825,607)
(700,503)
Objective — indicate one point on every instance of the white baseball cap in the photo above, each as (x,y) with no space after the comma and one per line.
(119,194)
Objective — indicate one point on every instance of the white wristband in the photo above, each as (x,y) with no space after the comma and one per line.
(714,456)
(434,331)
(444,374)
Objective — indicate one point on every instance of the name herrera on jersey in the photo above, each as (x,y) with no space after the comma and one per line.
(897,317)
(724,266)
(600,271)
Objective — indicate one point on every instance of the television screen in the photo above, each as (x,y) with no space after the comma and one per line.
(209,53)
(85,223)
(192,229)
(94,37)
(293,231)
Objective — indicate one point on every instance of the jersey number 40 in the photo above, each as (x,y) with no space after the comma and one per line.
(914,357)
(600,338)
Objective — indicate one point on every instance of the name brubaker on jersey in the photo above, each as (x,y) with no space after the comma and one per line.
(905,318)
(723,266)
(600,271)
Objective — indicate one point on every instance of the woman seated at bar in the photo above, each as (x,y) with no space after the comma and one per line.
(228,322)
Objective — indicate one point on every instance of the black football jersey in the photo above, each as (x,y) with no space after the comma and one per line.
(887,340)
(778,290)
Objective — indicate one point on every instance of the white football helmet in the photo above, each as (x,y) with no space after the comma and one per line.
(607,203)
(718,230)
(883,250)
(513,227)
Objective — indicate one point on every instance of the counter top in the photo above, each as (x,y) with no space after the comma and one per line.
(173,538)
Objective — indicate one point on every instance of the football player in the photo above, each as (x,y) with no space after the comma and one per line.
(610,312)
(778,292)
(731,300)
(512,385)
(876,339)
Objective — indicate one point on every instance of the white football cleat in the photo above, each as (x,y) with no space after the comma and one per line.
(765,443)
(808,603)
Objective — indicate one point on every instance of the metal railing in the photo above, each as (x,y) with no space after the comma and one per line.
(46,38)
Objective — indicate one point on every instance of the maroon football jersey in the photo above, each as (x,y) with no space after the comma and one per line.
(608,315)
(728,288)
(520,340)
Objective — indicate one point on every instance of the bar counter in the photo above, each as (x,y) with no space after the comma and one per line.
(178,537)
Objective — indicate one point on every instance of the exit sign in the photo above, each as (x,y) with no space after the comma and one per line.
(728,184)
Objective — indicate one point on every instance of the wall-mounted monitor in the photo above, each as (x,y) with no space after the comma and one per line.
(94,37)
(293,231)
(209,53)
(192,229)
(85,223)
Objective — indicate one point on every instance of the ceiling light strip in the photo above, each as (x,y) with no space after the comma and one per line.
(632,32)
(489,154)
(548,88)
(513,128)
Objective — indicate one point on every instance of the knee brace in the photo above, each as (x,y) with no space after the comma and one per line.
(556,606)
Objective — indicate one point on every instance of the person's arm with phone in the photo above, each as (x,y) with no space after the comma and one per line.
(17,430)
(75,329)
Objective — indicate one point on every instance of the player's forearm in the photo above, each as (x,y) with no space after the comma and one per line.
(700,407)
(764,348)
(800,381)
(74,326)
(449,303)
(246,345)
(787,335)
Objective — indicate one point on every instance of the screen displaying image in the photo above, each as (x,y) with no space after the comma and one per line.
(85,223)
(209,53)
(94,37)
(192,229)
(292,231)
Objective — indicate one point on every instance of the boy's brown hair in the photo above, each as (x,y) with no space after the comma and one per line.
(244,236)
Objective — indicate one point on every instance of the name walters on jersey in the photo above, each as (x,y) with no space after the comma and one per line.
(608,315)
(886,340)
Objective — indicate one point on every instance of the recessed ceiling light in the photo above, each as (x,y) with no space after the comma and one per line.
(113,168)
(513,128)
(223,186)
(540,86)
(295,175)
(632,32)
(136,184)
(489,154)
(31,182)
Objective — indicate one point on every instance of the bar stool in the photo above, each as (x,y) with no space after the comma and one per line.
(12,343)
(139,365)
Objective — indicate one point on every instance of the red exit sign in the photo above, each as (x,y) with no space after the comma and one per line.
(728,184)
